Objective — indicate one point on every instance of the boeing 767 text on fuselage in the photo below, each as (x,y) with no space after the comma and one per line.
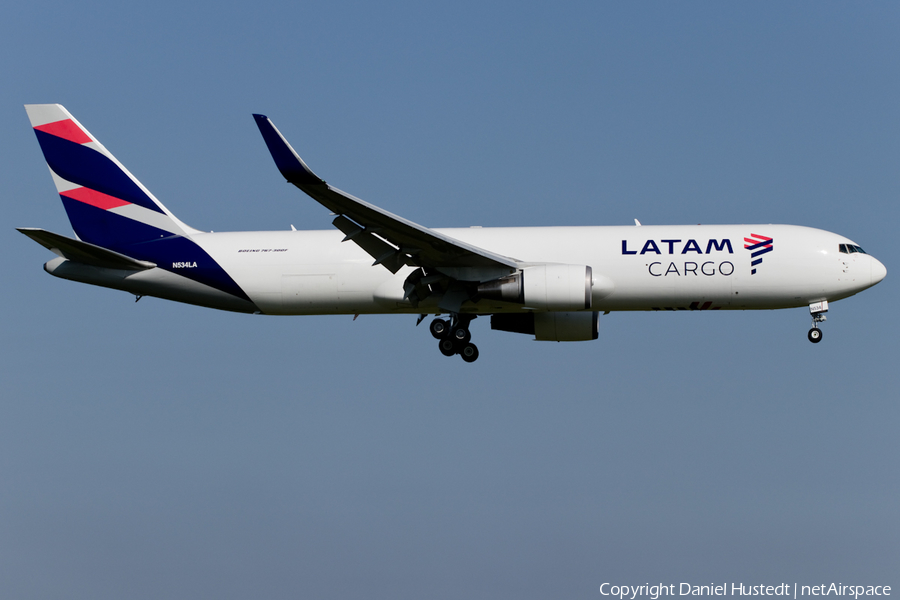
(549,282)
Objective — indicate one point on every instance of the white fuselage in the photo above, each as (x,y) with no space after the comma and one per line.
(701,267)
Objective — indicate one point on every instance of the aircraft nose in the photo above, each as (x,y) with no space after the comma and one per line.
(878,271)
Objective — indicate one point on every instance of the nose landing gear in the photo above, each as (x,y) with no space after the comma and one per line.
(817,310)
(454,337)
(815,334)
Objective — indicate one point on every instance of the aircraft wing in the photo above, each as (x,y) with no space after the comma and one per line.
(83,252)
(391,240)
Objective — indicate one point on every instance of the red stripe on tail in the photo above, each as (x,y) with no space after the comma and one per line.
(94,198)
(67,130)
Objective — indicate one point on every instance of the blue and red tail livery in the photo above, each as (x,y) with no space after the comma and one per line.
(97,191)
(108,207)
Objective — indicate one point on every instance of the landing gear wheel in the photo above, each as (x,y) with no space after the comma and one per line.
(461,335)
(439,328)
(815,335)
(447,347)
(469,353)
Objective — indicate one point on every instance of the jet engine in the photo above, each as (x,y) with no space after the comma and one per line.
(544,287)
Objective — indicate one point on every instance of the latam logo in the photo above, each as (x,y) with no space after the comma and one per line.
(651,247)
(757,245)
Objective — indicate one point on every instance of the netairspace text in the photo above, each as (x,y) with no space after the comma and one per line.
(654,592)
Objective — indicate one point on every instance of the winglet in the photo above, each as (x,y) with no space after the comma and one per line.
(286,159)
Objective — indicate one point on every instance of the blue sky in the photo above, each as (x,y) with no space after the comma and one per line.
(160,450)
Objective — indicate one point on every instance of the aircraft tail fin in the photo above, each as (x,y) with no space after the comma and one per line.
(107,206)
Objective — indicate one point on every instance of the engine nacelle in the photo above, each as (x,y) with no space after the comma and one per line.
(545,287)
(551,326)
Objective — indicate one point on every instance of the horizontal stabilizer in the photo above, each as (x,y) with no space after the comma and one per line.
(83,252)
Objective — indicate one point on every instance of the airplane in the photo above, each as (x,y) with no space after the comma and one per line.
(548,282)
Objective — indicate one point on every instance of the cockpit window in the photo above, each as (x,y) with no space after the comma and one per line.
(850,249)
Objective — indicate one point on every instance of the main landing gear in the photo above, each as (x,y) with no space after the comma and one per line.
(454,338)
(817,310)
